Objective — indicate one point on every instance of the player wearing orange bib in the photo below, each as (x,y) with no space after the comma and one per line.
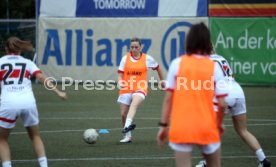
(192,82)
(135,76)
(196,106)
(132,79)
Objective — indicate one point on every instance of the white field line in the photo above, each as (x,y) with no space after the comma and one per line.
(114,129)
(141,118)
(133,158)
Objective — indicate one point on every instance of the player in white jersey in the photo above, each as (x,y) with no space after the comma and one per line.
(237,109)
(17,99)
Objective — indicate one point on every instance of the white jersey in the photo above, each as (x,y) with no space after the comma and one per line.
(150,62)
(235,98)
(224,65)
(235,89)
(16,88)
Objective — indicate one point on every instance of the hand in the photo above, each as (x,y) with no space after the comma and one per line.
(162,136)
(62,95)
(121,84)
(163,84)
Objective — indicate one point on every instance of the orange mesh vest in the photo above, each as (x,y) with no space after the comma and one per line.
(135,75)
(193,119)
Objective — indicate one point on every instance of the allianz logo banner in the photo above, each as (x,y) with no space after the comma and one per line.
(121,8)
(91,49)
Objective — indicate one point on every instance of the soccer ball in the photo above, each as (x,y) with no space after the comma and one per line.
(90,136)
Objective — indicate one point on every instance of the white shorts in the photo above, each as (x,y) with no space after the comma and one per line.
(127,97)
(205,149)
(8,116)
(235,101)
(236,106)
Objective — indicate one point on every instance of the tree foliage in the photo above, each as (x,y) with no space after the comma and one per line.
(17,9)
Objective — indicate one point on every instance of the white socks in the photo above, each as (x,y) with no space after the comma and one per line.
(260,154)
(6,163)
(43,162)
(128,122)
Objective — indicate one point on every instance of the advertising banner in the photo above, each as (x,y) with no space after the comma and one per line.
(117,8)
(91,48)
(249,44)
(242,8)
(121,8)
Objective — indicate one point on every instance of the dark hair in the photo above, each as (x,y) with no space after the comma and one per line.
(199,40)
(135,39)
(15,45)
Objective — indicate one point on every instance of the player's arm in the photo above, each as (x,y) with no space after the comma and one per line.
(167,104)
(221,91)
(220,114)
(121,82)
(161,76)
(49,84)
(121,72)
(152,63)
(162,135)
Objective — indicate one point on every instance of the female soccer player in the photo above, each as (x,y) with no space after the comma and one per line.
(132,79)
(192,83)
(237,109)
(17,99)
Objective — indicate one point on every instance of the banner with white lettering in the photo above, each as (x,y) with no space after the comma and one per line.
(92,48)
(249,44)
(121,8)
(117,8)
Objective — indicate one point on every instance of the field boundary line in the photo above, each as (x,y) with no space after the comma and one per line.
(114,129)
(139,118)
(132,158)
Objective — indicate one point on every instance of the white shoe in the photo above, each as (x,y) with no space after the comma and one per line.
(126,139)
(201,163)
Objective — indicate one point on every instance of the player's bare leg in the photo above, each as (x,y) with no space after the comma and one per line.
(129,126)
(124,110)
(34,135)
(213,160)
(183,159)
(240,126)
(136,101)
(4,147)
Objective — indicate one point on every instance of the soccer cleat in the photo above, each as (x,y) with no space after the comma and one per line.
(126,139)
(129,128)
(264,163)
(201,163)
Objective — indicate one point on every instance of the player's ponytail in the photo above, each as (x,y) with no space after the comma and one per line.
(15,45)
